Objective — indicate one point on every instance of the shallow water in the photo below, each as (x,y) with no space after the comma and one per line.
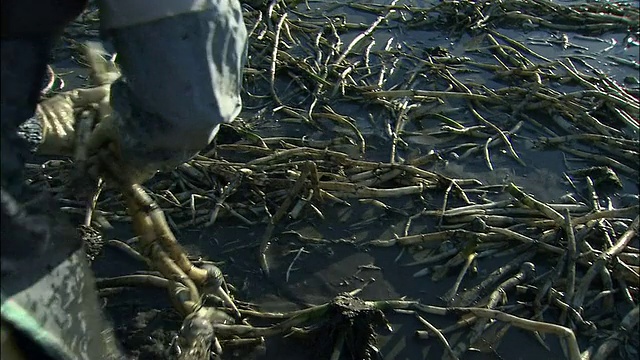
(144,317)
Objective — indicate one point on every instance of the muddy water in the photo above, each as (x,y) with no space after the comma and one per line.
(145,320)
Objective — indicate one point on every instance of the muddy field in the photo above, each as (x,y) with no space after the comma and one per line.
(442,157)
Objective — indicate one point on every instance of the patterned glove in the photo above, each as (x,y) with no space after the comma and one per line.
(57,117)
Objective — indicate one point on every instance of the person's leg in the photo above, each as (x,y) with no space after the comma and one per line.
(48,293)
(28,29)
(182,77)
(22,68)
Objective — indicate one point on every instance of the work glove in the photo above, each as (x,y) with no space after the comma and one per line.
(109,133)
(61,125)
(57,117)
(106,144)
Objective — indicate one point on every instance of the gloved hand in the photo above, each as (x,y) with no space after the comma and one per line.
(107,134)
(57,117)
(107,137)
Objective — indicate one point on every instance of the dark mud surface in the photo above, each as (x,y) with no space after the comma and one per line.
(145,320)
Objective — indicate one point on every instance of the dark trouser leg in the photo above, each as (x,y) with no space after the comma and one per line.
(47,288)
(29,28)
(22,69)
